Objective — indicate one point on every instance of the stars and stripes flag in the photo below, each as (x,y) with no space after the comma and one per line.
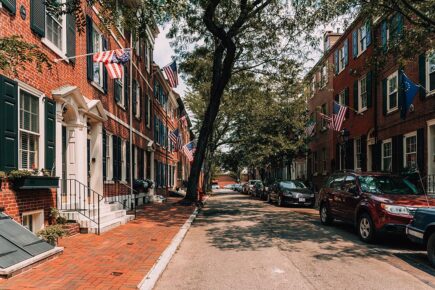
(172,73)
(189,150)
(113,60)
(309,129)
(338,115)
(175,137)
(183,121)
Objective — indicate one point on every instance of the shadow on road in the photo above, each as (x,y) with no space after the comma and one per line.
(237,222)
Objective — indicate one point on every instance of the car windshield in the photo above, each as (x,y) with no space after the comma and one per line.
(292,184)
(387,185)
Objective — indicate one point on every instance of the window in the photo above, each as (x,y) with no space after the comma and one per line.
(430,78)
(341,59)
(324,160)
(148,112)
(393,28)
(362,94)
(33,221)
(410,145)
(324,75)
(392,92)
(324,112)
(148,56)
(362,37)
(358,154)
(29,131)
(135,163)
(313,86)
(123,160)
(386,155)
(342,98)
(109,149)
(119,90)
(119,18)
(138,93)
(97,43)
(55,32)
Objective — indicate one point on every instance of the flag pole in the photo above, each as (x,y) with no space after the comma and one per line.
(83,55)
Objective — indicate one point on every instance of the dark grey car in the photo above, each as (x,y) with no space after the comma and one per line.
(290,192)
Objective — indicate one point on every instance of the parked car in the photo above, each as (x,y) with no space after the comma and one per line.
(230,186)
(422,230)
(214,185)
(238,187)
(247,187)
(374,202)
(258,189)
(291,192)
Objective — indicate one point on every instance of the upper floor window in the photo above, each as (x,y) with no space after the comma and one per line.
(119,91)
(138,103)
(29,131)
(362,94)
(392,95)
(325,112)
(342,98)
(148,112)
(430,76)
(362,43)
(55,32)
(313,85)
(97,45)
(324,75)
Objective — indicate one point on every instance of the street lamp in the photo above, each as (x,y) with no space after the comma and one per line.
(343,137)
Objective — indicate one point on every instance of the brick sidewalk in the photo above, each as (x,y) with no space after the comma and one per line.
(91,262)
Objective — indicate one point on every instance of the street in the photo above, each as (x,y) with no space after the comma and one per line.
(238,242)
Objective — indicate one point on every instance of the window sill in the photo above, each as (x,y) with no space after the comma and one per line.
(97,86)
(360,53)
(55,49)
(430,94)
(360,111)
(122,106)
(391,111)
(109,182)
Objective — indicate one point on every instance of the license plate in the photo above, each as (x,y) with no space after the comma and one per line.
(301,199)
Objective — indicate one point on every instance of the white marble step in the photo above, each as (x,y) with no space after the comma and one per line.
(111,224)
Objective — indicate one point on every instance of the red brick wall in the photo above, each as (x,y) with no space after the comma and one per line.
(16,202)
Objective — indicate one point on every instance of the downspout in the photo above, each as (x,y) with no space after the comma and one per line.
(130,110)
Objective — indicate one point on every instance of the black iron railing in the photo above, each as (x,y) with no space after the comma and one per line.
(78,197)
(121,193)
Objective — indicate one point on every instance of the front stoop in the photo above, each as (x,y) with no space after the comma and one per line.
(30,263)
(111,216)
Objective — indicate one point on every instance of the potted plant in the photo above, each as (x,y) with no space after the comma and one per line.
(25,179)
(51,234)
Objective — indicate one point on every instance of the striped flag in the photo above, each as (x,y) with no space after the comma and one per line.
(113,60)
(176,139)
(338,115)
(183,121)
(189,150)
(172,73)
(309,130)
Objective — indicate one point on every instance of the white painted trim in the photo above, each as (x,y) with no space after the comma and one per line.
(37,223)
(408,135)
(113,117)
(394,74)
(389,140)
(361,109)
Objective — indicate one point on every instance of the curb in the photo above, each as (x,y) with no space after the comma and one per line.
(151,278)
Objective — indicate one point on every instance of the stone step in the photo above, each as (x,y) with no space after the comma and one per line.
(109,225)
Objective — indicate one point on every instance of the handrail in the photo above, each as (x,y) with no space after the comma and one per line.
(78,197)
(120,192)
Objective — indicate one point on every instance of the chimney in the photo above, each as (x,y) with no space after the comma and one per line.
(329,39)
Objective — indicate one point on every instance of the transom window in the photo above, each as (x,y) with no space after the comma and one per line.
(97,43)
(430,80)
(392,92)
(362,93)
(386,155)
(410,151)
(29,131)
(358,154)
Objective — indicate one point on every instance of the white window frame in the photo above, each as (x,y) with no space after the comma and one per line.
(356,153)
(121,82)
(119,26)
(98,84)
(61,52)
(405,137)
(109,160)
(392,109)
(341,59)
(123,160)
(342,98)
(324,76)
(428,54)
(138,104)
(360,107)
(360,39)
(313,86)
(135,165)
(148,120)
(41,133)
(384,142)
(37,219)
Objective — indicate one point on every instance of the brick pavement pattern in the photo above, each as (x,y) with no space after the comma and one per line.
(92,262)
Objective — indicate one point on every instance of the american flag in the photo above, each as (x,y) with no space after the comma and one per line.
(189,149)
(172,73)
(175,137)
(328,119)
(113,60)
(338,115)
(309,130)
(183,121)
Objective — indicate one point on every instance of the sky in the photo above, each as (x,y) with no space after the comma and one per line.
(163,54)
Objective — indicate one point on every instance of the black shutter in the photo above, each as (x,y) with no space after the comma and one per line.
(397,162)
(50,134)
(369,89)
(71,37)
(10,5)
(133,97)
(120,157)
(355,96)
(349,154)
(420,150)
(89,49)
(364,153)
(115,158)
(37,17)
(8,124)
(104,155)
(117,91)
(105,47)
(422,74)
(128,161)
(377,157)
(346,101)
(140,163)
(126,87)
(401,95)
(384,96)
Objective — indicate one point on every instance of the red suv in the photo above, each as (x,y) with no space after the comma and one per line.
(373,202)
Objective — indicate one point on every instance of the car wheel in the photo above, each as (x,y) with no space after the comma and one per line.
(279,202)
(366,228)
(431,249)
(325,216)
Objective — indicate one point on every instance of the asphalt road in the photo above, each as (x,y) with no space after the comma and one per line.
(241,243)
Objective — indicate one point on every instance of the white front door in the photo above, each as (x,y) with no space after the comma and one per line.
(431,157)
